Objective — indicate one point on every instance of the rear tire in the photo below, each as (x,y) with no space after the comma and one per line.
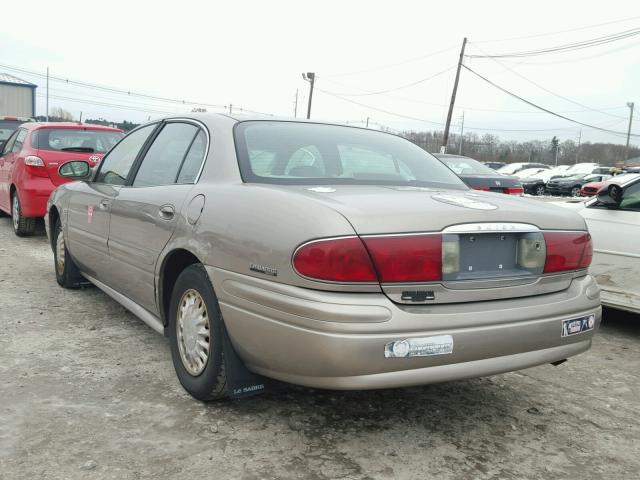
(195,334)
(540,190)
(575,192)
(67,273)
(22,226)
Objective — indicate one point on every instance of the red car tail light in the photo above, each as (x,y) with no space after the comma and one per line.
(35,166)
(335,260)
(483,189)
(514,190)
(406,258)
(567,251)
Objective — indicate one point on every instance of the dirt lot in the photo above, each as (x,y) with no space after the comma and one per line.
(88,391)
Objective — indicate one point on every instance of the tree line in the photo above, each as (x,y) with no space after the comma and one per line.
(490,148)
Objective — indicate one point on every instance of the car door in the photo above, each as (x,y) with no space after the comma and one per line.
(616,260)
(145,213)
(89,207)
(6,161)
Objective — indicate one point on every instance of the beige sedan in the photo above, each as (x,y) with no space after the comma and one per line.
(321,255)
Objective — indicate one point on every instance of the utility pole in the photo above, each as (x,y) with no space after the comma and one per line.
(443,148)
(311,78)
(47,115)
(579,142)
(367,122)
(461,134)
(230,108)
(295,106)
(626,149)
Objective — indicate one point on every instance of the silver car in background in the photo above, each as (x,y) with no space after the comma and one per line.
(321,255)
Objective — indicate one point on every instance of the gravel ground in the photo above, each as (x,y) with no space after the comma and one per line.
(88,391)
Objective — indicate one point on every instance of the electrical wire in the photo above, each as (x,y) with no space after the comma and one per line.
(402,87)
(557,32)
(545,109)
(566,47)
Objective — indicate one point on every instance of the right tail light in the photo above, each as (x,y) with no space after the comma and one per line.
(567,251)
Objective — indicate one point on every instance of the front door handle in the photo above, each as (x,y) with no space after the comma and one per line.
(167,212)
(104,204)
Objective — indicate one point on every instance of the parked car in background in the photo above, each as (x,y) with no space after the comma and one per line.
(322,255)
(494,165)
(613,218)
(512,168)
(529,172)
(8,125)
(592,188)
(31,158)
(582,169)
(480,177)
(537,184)
(572,185)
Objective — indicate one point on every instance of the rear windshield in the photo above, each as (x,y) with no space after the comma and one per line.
(296,153)
(7,127)
(75,140)
(466,166)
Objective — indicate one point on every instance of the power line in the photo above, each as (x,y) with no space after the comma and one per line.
(110,89)
(567,47)
(549,91)
(383,67)
(546,34)
(104,104)
(545,109)
(402,87)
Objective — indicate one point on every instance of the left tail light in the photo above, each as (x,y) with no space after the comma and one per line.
(567,251)
(35,166)
(514,190)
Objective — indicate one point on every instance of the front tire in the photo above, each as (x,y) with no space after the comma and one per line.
(195,334)
(575,192)
(540,190)
(67,273)
(22,226)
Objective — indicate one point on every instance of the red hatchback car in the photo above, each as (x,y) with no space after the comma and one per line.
(30,160)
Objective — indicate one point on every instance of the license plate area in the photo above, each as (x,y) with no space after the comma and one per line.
(475,256)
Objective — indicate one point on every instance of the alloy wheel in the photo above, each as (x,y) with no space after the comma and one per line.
(60,253)
(15,212)
(193,332)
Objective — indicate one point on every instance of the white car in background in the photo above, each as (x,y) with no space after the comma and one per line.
(613,219)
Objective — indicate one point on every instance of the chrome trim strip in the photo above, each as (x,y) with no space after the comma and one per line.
(492,227)
(147,317)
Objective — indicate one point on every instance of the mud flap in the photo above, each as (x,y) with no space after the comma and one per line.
(241,382)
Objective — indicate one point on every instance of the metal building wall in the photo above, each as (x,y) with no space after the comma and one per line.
(16,101)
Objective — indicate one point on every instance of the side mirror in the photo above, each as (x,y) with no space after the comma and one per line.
(77,169)
(611,195)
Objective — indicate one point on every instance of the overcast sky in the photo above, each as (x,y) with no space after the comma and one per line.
(251,54)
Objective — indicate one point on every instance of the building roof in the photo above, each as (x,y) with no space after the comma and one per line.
(8,78)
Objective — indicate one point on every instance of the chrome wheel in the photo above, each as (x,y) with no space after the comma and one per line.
(540,190)
(193,332)
(15,211)
(575,192)
(60,253)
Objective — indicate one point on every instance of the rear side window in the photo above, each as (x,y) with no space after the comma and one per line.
(75,140)
(115,167)
(17,145)
(193,160)
(164,158)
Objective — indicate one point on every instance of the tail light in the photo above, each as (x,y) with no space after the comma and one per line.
(335,260)
(483,189)
(567,251)
(410,258)
(35,166)
(514,190)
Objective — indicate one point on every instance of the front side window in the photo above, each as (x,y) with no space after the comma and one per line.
(115,167)
(164,158)
(75,140)
(296,153)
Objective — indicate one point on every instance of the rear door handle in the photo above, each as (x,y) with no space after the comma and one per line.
(167,212)
(104,204)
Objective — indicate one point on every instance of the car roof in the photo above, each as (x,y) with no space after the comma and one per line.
(70,126)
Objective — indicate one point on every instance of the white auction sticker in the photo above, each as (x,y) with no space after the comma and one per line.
(420,347)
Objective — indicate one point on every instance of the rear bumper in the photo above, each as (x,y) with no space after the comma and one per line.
(34,194)
(337,340)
